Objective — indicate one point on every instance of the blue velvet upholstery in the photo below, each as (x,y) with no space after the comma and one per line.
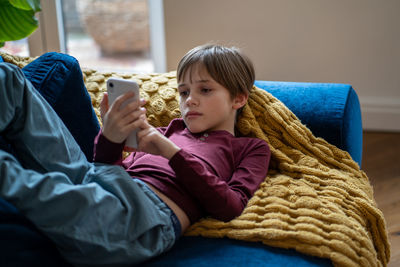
(331,111)
(202,252)
(21,244)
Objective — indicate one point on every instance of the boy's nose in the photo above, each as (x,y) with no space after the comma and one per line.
(191,100)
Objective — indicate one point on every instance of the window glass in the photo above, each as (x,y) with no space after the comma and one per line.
(19,48)
(109,35)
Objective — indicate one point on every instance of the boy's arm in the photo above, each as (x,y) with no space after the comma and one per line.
(106,151)
(223,200)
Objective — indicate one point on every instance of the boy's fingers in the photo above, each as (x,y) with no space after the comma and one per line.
(104,100)
(121,99)
(144,123)
(134,120)
(132,116)
(104,105)
(131,107)
(142,133)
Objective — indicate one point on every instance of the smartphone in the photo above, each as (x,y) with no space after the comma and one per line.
(117,87)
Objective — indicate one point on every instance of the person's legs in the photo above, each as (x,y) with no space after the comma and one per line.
(58,78)
(107,220)
(40,139)
(95,214)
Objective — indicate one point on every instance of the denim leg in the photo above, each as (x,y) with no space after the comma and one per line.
(109,220)
(58,78)
(40,138)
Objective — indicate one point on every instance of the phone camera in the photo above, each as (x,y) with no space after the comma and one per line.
(111,84)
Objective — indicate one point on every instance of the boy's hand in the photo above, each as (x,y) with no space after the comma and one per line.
(104,106)
(118,121)
(152,141)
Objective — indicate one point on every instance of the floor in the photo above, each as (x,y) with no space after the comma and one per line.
(381,162)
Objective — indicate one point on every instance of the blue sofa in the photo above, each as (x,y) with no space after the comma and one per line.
(331,111)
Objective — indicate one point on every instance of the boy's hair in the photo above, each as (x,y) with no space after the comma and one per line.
(226,65)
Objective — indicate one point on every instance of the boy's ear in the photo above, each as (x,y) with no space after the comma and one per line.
(240,100)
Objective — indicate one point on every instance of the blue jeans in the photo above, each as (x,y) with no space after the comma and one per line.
(96,214)
(58,78)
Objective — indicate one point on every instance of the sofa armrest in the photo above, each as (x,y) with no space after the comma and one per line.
(331,111)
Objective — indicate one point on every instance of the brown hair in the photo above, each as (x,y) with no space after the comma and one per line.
(226,65)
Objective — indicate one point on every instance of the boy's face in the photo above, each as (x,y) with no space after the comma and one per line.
(205,104)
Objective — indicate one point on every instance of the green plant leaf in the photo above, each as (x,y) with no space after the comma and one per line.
(15,23)
(33,5)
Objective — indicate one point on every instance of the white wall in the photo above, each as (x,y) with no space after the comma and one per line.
(342,41)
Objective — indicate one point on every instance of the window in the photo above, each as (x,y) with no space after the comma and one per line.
(109,35)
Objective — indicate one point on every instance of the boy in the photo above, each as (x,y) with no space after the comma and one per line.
(96,213)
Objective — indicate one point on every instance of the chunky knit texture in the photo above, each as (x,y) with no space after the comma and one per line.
(315,198)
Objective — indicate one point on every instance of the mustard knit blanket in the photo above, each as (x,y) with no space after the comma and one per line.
(315,198)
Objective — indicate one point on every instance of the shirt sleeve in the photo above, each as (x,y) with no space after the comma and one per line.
(223,200)
(106,151)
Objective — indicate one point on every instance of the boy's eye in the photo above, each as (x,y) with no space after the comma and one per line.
(183,93)
(205,90)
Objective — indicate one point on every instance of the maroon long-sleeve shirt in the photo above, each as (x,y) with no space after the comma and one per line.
(214,173)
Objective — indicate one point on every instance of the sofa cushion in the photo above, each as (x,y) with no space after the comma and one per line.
(21,244)
(221,252)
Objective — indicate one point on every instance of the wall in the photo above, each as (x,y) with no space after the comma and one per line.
(355,42)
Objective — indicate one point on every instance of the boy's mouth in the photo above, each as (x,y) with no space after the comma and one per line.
(192,114)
